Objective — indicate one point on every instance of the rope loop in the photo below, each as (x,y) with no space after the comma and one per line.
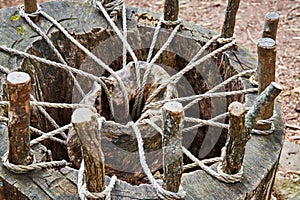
(22,12)
(84,193)
(162,193)
(264,132)
(23,169)
(226,40)
(114,8)
(171,23)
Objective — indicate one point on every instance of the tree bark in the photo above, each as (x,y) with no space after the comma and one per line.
(86,126)
(229,23)
(172,141)
(18,85)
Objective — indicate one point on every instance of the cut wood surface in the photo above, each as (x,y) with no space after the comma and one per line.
(261,156)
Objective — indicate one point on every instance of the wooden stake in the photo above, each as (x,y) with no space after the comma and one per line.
(171,10)
(265,99)
(30,6)
(85,124)
(229,23)
(238,137)
(271,25)
(18,86)
(172,141)
(266,49)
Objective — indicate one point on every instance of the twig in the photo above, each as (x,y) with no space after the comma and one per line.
(292,126)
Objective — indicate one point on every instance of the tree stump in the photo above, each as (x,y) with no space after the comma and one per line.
(51,84)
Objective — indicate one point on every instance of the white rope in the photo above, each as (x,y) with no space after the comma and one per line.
(49,42)
(164,194)
(82,188)
(50,134)
(217,87)
(205,161)
(220,175)
(92,56)
(4,69)
(22,169)
(175,78)
(48,117)
(124,34)
(124,41)
(201,122)
(264,132)
(3,119)
(137,104)
(35,130)
(200,97)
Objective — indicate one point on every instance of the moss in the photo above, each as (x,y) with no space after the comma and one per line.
(286,188)
(20,30)
(15,17)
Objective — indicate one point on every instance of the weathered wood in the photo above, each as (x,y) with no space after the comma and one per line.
(266,49)
(235,147)
(173,117)
(30,6)
(18,85)
(258,171)
(171,10)
(271,25)
(229,23)
(265,99)
(86,126)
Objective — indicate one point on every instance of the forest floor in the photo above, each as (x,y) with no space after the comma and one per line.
(249,26)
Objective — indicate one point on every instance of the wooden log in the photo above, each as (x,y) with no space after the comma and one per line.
(30,6)
(271,25)
(18,85)
(229,23)
(171,10)
(266,49)
(85,124)
(265,99)
(238,137)
(172,141)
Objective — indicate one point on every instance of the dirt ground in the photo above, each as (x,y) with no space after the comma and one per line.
(250,20)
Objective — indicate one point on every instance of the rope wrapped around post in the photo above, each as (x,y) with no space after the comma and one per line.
(173,114)
(171,12)
(266,49)
(237,140)
(19,85)
(86,126)
(266,98)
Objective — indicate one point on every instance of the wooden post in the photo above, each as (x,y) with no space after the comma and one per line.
(265,99)
(172,141)
(229,23)
(271,25)
(238,137)
(30,6)
(86,126)
(171,10)
(266,49)
(18,86)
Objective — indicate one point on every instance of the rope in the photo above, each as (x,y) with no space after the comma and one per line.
(164,194)
(124,41)
(92,56)
(220,175)
(35,130)
(175,78)
(49,42)
(3,119)
(264,132)
(22,169)
(138,101)
(200,97)
(50,134)
(84,193)
(206,122)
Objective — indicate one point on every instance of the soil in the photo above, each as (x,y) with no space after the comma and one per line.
(249,26)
